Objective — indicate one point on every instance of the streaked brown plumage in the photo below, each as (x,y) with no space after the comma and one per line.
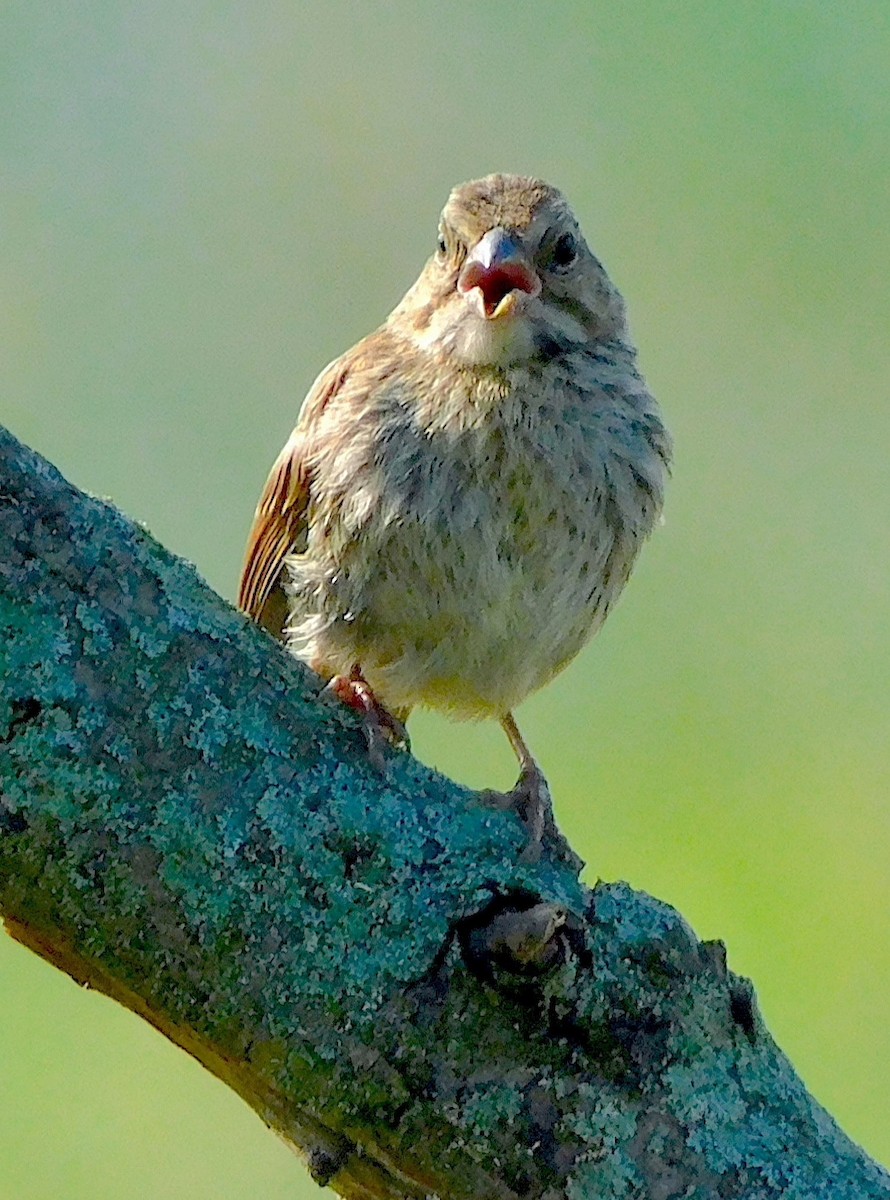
(466,490)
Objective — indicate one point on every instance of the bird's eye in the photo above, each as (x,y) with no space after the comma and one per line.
(565,250)
(442,245)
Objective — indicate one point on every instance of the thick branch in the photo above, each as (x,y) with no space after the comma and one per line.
(365,959)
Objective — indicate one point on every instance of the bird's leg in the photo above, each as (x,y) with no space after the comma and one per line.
(530,798)
(381,726)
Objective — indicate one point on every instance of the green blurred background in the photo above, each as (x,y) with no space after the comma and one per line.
(202,204)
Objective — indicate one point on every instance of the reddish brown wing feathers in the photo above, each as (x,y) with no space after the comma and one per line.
(281,514)
(276,528)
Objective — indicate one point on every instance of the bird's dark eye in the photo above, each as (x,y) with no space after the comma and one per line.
(565,250)
(441,245)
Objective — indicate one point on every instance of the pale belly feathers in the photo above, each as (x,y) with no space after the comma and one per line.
(467,564)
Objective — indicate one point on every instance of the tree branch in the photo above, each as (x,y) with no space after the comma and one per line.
(365,959)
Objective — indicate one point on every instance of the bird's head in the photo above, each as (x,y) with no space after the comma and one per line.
(511,279)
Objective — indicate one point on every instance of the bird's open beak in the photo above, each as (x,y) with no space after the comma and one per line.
(498,269)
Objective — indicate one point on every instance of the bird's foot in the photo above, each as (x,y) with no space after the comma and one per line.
(381,727)
(530,800)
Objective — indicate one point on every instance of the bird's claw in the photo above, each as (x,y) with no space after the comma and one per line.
(531,801)
(381,727)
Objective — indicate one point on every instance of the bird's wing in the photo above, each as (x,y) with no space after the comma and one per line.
(281,514)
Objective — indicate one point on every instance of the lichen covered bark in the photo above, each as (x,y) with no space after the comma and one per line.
(365,957)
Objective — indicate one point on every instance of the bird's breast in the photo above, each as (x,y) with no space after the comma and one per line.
(469,561)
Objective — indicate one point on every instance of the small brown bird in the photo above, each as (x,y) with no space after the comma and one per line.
(466,490)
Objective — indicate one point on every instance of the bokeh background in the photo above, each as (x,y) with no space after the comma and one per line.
(201,204)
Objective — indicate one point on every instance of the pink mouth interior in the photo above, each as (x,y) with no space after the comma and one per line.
(497,281)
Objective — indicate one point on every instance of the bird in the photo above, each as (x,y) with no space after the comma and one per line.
(466,490)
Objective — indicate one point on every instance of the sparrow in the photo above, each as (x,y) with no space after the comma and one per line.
(466,490)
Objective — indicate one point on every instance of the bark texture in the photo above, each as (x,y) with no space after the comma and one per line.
(365,958)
